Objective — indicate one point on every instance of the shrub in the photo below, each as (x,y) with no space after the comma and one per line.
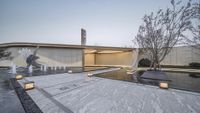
(194,64)
(144,62)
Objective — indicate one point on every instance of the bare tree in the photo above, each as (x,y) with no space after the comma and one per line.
(195,28)
(161,31)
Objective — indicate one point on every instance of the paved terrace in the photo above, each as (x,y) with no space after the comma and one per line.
(79,94)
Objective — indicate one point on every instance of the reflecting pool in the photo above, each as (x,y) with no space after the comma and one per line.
(182,81)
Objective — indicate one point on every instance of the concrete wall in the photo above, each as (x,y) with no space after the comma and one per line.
(180,56)
(89,59)
(112,59)
(73,57)
(48,56)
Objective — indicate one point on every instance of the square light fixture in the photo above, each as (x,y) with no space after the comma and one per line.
(129,73)
(89,74)
(69,71)
(18,77)
(29,85)
(163,85)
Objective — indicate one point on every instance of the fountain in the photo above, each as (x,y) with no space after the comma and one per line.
(30,69)
(45,68)
(24,52)
(14,69)
(41,67)
(51,68)
(33,67)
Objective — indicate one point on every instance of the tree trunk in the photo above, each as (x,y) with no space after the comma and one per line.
(156,64)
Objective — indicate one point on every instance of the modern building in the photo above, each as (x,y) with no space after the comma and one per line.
(69,55)
(82,55)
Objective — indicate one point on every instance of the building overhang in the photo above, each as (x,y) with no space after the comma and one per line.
(86,48)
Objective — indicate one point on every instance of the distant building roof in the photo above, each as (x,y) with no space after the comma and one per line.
(48,45)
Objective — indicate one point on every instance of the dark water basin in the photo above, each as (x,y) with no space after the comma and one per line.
(182,81)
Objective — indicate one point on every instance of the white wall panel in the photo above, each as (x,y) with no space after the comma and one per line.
(49,56)
(180,56)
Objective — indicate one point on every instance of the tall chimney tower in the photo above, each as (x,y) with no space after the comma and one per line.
(83,36)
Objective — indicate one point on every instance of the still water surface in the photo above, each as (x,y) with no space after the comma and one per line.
(182,81)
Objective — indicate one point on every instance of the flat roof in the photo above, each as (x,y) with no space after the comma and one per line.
(48,45)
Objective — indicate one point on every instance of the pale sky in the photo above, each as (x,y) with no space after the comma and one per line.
(107,22)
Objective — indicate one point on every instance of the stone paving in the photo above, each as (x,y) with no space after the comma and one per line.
(67,93)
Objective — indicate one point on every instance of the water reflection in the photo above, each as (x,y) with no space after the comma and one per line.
(183,81)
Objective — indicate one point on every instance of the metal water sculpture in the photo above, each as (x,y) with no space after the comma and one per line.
(31,59)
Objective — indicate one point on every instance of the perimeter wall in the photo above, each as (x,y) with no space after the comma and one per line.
(47,56)
(181,56)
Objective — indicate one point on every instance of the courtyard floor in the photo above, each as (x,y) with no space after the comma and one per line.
(77,93)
